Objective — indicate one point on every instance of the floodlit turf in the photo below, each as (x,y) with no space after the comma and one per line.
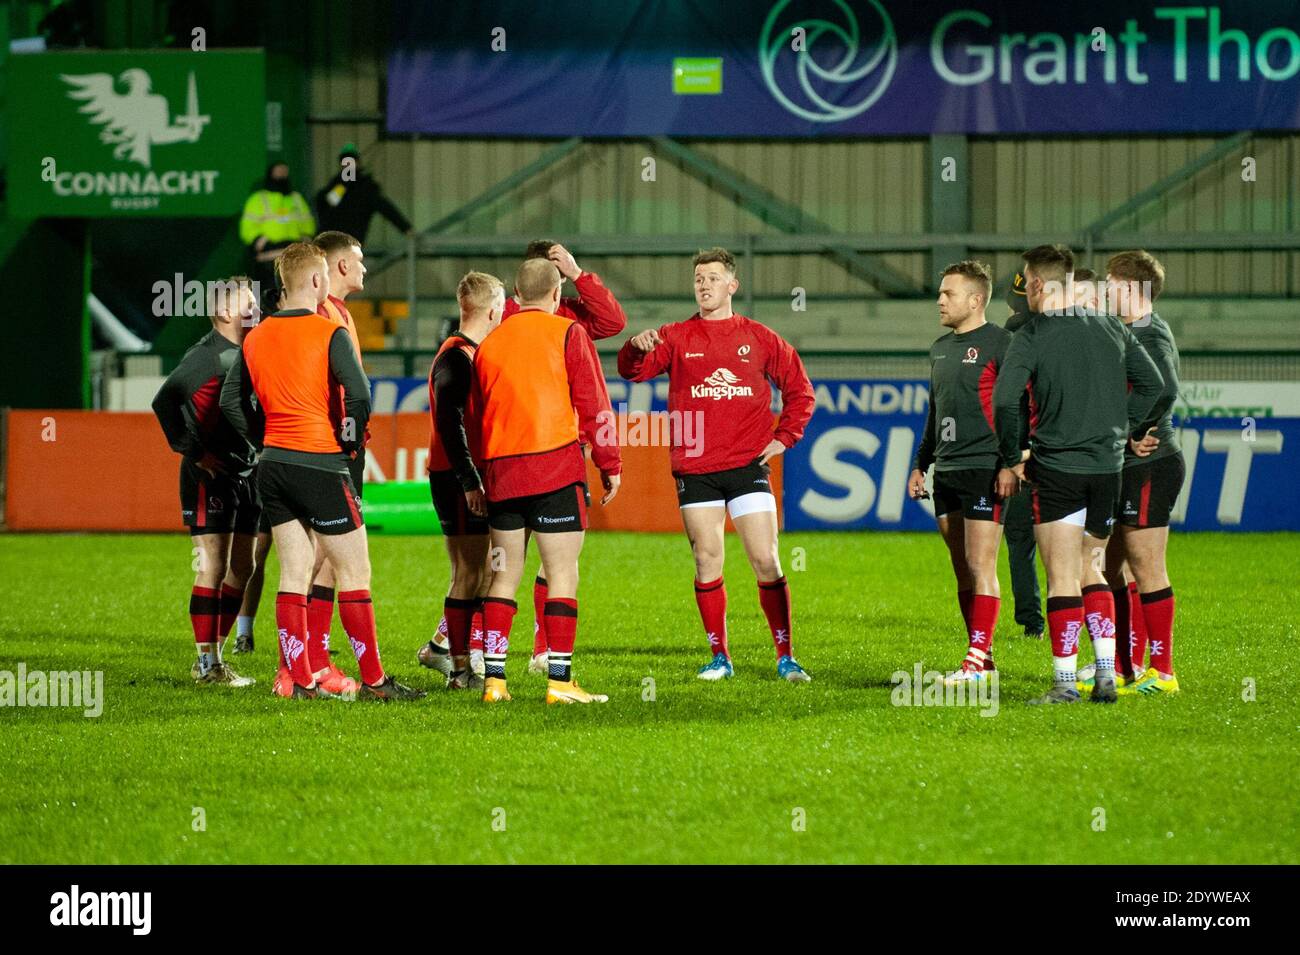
(694,772)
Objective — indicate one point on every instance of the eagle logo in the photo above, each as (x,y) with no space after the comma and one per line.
(721,378)
(136,120)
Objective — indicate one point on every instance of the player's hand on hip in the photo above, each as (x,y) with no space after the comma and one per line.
(1144,447)
(916,485)
(611,484)
(774,448)
(563,260)
(647,340)
(1007,483)
(476,502)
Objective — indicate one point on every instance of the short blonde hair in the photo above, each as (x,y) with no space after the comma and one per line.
(975,272)
(477,291)
(296,262)
(536,279)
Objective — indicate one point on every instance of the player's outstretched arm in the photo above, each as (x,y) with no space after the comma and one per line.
(646,355)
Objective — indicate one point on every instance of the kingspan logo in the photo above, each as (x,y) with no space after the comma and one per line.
(721,384)
(844,78)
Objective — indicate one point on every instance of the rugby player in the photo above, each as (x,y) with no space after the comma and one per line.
(218,503)
(1152,480)
(597,310)
(294,364)
(539,392)
(1079,366)
(719,366)
(959,441)
(454,479)
(347,275)
(601,316)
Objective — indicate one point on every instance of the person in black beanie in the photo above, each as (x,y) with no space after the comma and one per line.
(350,200)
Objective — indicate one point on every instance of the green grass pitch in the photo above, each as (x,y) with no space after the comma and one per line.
(753,770)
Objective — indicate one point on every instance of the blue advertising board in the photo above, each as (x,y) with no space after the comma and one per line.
(802,68)
(851,468)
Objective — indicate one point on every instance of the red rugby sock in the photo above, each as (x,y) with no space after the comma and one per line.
(291,622)
(458,615)
(1065,622)
(1137,621)
(561,630)
(320,613)
(357,614)
(711,599)
(230,600)
(1158,609)
(983,618)
(498,618)
(476,627)
(774,597)
(204,614)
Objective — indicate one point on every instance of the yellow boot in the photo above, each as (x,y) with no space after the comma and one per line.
(568,691)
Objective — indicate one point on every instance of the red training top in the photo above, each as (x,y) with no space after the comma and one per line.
(721,369)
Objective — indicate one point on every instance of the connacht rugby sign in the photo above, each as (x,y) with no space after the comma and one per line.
(135,133)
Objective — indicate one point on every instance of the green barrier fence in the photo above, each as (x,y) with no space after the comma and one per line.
(400,507)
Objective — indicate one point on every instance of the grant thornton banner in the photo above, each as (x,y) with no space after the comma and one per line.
(798,68)
(134,133)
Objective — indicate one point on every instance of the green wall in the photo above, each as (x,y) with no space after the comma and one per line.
(43,363)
